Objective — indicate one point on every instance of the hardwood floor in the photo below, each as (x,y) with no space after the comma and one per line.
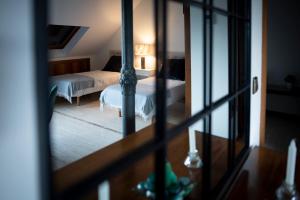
(261,175)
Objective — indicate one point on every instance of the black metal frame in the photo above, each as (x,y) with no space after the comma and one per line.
(162,134)
(41,79)
(128,78)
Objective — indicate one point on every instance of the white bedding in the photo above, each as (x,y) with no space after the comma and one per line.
(144,97)
(67,83)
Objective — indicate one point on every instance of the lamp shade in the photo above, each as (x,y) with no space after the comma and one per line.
(143,49)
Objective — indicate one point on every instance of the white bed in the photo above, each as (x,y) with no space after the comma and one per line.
(79,84)
(144,97)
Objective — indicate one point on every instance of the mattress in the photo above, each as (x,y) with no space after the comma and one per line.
(79,84)
(144,97)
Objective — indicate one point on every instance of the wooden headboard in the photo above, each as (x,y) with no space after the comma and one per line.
(69,66)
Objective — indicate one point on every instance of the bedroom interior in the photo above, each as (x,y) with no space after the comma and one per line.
(138,99)
(89,97)
(101,112)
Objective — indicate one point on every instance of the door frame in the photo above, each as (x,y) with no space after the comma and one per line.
(265,21)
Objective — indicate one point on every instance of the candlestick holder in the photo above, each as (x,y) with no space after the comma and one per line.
(287,192)
(193,160)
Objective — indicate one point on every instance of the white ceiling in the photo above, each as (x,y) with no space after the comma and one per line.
(102,17)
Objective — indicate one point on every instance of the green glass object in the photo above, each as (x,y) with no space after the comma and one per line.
(176,188)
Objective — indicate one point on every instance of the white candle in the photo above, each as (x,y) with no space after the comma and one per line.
(192,140)
(103,191)
(291,163)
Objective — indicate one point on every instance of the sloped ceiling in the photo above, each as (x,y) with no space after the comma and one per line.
(102,17)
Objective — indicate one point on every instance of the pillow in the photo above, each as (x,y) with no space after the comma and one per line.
(176,69)
(114,64)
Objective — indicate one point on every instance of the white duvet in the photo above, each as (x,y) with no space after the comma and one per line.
(144,97)
(79,84)
(103,78)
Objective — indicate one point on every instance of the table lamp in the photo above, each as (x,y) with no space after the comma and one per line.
(143,50)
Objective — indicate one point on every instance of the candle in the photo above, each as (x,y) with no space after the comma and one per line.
(192,140)
(291,163)
(103,191)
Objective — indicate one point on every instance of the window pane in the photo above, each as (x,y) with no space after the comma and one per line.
(242,50)
(220,80)
(242,122)
(196,60)
(176,71)
(219,132)
(220,4)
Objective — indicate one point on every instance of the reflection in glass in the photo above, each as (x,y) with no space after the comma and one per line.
(220,57)
(219,144)
(176,83)
(242,125)
(220,4)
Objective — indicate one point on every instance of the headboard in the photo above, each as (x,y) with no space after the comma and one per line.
(69,66)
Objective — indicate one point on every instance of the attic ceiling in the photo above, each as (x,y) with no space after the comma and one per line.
(102,17)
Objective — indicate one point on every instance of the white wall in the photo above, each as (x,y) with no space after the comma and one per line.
(143,30)
(256,66)
(102,18)
(19,170)
(103,33)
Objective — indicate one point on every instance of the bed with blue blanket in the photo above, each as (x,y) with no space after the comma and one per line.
(145,91)
(83,83)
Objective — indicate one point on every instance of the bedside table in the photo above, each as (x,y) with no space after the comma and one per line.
(144,73)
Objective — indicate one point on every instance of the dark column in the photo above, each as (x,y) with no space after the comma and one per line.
(128,78)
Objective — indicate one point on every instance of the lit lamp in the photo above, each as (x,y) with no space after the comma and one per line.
(143,50)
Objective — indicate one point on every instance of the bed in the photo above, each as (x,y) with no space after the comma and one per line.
(145,93)
(82,83)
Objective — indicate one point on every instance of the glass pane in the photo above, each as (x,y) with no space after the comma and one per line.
(222,4)
(144,63)
(242,65)
(220,81)
(185,96)
(196,60)
(242,122)
(242,8)
(176,83)
(219,155)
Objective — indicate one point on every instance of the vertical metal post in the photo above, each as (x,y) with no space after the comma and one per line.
(160,129)
(207,67)
(42,90)
(248,70)
(232,84)
(128,78)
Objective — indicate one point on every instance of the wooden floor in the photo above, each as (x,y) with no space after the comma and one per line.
(122,184)
(261,175)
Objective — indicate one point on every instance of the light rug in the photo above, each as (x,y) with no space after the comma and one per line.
(77,131)
(72,139)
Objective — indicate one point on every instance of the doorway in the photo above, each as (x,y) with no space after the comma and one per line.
(280,75)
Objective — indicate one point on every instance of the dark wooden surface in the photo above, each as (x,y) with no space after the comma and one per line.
(69,66)
(261,175)
(122,184)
